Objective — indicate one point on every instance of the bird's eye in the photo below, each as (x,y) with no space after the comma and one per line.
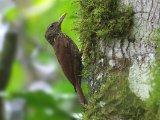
(51,26)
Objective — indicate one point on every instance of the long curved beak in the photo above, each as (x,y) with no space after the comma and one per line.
(61,20)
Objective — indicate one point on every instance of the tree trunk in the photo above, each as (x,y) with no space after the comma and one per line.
(6,60)
(119,47)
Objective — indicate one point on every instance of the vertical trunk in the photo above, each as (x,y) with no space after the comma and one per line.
(6,60)
(1,109)
(118,40)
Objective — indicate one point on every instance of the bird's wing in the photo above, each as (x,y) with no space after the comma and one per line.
(77,61)
(65,56)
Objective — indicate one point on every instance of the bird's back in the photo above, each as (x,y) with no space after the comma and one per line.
(69,57)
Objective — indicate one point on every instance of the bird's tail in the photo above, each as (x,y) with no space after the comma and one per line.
(80,94)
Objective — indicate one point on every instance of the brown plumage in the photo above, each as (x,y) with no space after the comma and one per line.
(67,54)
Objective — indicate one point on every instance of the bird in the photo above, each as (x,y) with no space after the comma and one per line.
(68,55)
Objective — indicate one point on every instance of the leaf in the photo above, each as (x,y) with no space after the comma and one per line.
(12,14)
(18,78)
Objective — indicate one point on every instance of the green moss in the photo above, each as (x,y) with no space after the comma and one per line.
(107,21)
(114,99)
(101,20)
(153,103)
(104,18)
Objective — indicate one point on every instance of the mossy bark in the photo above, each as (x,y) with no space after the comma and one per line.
(118,44)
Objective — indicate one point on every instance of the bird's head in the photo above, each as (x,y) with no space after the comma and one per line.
(54,29)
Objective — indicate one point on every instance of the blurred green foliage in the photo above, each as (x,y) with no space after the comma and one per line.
(35,25)
(43,106)
(17,80)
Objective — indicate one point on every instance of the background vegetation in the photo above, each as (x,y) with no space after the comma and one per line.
(37,83)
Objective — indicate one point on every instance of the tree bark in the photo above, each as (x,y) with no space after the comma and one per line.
(120,75)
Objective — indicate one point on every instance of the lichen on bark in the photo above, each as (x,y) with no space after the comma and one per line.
(101,21)
(119,53)
(102,24)
(153,103)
